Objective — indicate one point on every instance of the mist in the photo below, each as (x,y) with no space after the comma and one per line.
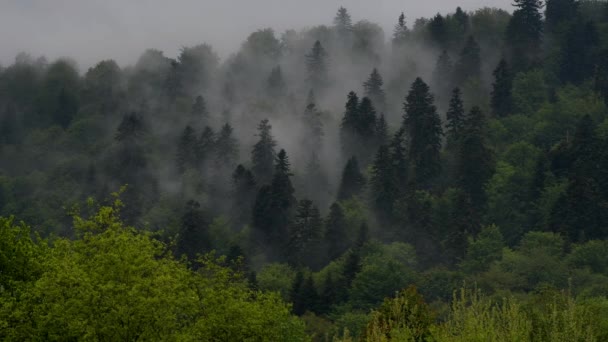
(89,31)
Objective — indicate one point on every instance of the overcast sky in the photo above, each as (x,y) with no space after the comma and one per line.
(93,30)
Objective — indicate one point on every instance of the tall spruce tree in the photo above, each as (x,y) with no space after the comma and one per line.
(384,185)
(276,88)
(401,32)
(199,108)
(399,159)
(263,154)
(343,23)
(352,182)
(349,125)
(305,233)
(455,119)
(186,150)
(524,34)
(438,31)
(559,12)
(600,82)
(243,194)
(502,99)
(381,133)
(226,148)
(443,74)
(205,147)
(193,235)
(366,130)
(578,52)
(373,90)
(313,125)
(423,127)
(316,65)
(469,62)
(336,237)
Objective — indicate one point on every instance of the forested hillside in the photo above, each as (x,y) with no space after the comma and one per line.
(446,181)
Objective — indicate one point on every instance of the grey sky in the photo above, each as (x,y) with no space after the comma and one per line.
(91,30)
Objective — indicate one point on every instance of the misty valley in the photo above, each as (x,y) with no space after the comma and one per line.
(443,181)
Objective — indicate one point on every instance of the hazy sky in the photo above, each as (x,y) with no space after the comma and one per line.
(91,30)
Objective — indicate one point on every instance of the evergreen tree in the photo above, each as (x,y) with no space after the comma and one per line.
(381,131)
(469,63)
(243,194)
(353,180)
(558,12)
(443,74)
(193,236)
(263,154)
(328,295)
(343,23)
(475,160)
(398,157)
(305,236)
(186,149)
(335,232)
(199,108)
(349,125)
(423,127)
(384,185)
(316,182)
(524,33)
(438,31)
(316,65)
(310,295)
(352,266)
(600,84)
(275,85)
(502,100)
(366,128)
(455,118)
(401,32)
(362,236)
(373,90)
(462,19)
(205,148)
(296,294)
(226,148)
(578,51)
(131,128)
(313,135)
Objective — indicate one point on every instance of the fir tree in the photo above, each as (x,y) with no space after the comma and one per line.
(335,232)
(401,32)
(381,131)
(193,237)
(502,100)
(524,33)
(373,90)
(295,294)
(423,127)
(438,31)
(243,194)
(366,124)
(349,125)
(343,23)
(275,85)
(199,108)
(328,295)
(131,128)
(578,51)
(384,185)
(186,149)
(305,236)
(313,135)
(226,148)
(353,180)
(316,65)
(398,157)
(469,63)
(455,119)
(443,74)
(205,148)
(600,84)
(263,154)
(462,19)
(558,12)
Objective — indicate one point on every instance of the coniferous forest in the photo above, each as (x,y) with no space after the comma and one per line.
(446,181)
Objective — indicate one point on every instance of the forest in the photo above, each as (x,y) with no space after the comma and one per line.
(446,181)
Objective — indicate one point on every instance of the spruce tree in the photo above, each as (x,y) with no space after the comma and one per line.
(578,51)
(423,127)
(384,185)
(462,19)
(263,154)
(305,235)
(559,12)
(524,34)
(193,236)
(366,125)
(600,84)
(295,294)
(443,74)
(381,131)
(502,100)
(455,119)
(399,159)
(352,182)
(205,147)
(316,65)
(328,295)
(349,126)
(226,148)
(335,232)
(199,108)
(186,150)
(401,32)
(438,31)
(313,134)
(276,88)
(373,90)
(343,23)
(243,194)
(469,62)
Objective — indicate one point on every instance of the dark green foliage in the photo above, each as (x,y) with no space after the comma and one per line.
(352,266)
(205,148)
(313,135)
(399,160)
(316,65)
(305,233)
(328,295)
(226,148)
(375,92)
(443,74)
(263,154)
(423,127)
(559,12)
(243,195)
(469,62)
(455,119)
(524,33)
(348,127)
(193,235)
(335,232)
(381,131)
(438,31)
(502,100)
(130,129)
(578,52)
(352,182)
(384,183)
(601,75)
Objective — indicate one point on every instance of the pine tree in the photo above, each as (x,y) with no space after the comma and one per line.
(243,194)
(313,135)
(384,185)
(263,154)
(476,161)
(469,63)
(335,232)
(524,34)
(199,108)
(381,131)
(401,32)
(205,147)
(193,237)
(349,125)
(353,180)
(502,100)
(316,65)
(305,236)
(366,127)
(462,19)
(343,23)
(443,74)
(226,148)
(186,149)
(438,31)
(399,159)
(423,127)
(275,85)
(373,90)
(456,119)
